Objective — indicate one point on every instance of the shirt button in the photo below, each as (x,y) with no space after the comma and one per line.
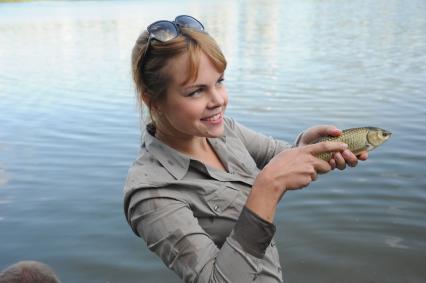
(216,208)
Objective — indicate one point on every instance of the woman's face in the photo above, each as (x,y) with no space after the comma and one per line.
(195,109)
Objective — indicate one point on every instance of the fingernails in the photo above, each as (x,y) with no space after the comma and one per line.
(347,153)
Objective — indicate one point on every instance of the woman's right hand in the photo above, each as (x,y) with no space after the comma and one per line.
(296,168)
(291,169)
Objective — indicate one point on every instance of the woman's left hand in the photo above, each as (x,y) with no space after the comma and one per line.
(339,159)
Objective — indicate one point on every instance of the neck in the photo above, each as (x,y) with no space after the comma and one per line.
(189,145)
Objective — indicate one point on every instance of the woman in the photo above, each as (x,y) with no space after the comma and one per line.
(204,190)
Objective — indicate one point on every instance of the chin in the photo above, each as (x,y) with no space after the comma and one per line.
(213,134)
(217,133)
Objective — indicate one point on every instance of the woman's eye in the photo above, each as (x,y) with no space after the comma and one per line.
(220,81)
(195,93)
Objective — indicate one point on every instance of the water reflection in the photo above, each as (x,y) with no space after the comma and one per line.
(4,178)
(395,242)
(70,130)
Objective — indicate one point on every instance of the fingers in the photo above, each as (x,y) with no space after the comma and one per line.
(318,166)
(350,158)
(327,130)
(314,133)
(345,158)
(340,161)
(314,176)
(322,166)
(331,130)
(332,163)
(363,156)
(324,147)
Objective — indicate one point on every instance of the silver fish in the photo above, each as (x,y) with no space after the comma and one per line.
(358,140)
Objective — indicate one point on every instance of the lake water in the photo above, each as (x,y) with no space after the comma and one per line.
(69,130)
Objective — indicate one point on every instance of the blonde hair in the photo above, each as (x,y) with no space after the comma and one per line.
(151,78)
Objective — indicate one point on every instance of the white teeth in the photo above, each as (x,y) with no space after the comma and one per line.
(213,118)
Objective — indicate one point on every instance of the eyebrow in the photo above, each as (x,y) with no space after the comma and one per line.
(194,86)
(201,85)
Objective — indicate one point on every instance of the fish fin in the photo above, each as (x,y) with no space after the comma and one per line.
(369,147)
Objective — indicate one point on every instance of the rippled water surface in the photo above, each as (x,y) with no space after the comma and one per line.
(69,130)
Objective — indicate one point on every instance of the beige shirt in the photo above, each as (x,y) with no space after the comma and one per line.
(193,216)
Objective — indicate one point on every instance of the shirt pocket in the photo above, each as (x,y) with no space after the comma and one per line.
(243,163)
(221,198)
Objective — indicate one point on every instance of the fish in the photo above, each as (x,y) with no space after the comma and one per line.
(358,140)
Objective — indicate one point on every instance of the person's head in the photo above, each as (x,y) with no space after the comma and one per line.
(179,79)
(28,272)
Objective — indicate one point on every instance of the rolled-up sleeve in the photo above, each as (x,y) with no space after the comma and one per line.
(253,233)
(173,233)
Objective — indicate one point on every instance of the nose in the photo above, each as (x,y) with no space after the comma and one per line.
(217,98)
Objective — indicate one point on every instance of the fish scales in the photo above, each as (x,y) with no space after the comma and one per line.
(355,138)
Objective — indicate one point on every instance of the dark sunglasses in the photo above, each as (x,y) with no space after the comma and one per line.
(164,31)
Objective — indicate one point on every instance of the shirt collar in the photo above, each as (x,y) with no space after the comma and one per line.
(175,162)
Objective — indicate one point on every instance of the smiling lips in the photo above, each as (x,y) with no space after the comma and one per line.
(214,118)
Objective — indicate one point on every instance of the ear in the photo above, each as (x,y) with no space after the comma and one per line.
(146,98)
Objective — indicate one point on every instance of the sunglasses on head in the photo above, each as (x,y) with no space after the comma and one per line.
(164,31)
